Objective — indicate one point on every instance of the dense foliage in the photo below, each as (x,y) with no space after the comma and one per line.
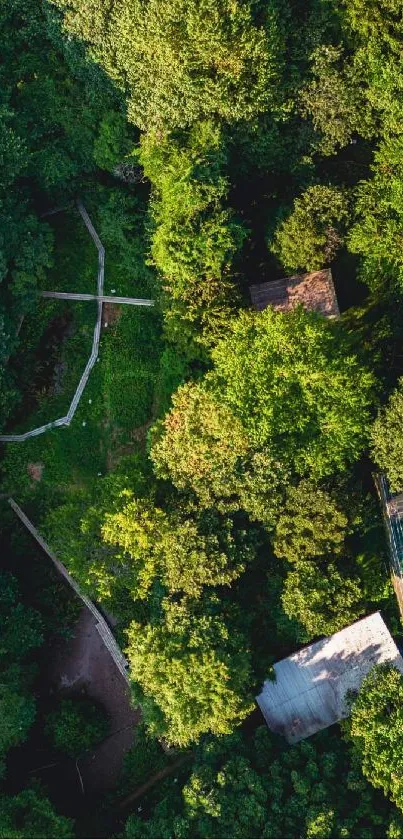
(294,387)
(214,491)
(255,788)
(30,814)
(376,729)
(20,634)
(192,671)
(76,725)
(387,439)
(181,60)
(311,235)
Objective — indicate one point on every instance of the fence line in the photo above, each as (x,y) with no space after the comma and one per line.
(99,297)
(101,626)
(106,298)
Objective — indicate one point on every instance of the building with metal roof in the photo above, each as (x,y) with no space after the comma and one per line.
(311,686)
(315,291)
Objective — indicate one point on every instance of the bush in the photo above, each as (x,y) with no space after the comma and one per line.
(76,725)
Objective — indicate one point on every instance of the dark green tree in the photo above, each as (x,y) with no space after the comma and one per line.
(387,440)
(20,632)
(310,236)
(76,726)
(30,814)
(375,728)
(335,99)
(265,788)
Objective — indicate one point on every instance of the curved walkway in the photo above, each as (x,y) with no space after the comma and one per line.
(100,298)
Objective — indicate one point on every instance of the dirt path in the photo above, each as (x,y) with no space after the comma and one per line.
(127,802)
(84,663)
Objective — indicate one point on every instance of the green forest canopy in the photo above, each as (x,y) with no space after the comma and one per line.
(214,491)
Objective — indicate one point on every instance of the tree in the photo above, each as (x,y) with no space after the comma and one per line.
(379,212)
(21,632)
(310,526)
(387,440)
(378,22)
(376,729)
(294,384)
(30,814)
(335,99)
(285,396)
(181,60)
(76,726)
(322,598)
(21,626)
(333,567)
(17,709)
(183,554)
(73,529)
(202,447)
(311,234)
(195,235)
(190,671)
(9,395)
(260,787)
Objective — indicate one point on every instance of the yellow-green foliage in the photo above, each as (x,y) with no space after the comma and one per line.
(311,235)
(387,439)
(181,60)
(191,673)
(376,728)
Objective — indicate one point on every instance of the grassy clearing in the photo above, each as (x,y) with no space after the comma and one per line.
(131,382)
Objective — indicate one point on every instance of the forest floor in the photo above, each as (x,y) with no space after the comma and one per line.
(84,665)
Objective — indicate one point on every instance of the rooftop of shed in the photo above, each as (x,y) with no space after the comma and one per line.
(315,291)
(311,685)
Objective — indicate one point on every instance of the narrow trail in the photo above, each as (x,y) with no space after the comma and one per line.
(158,776)
(100,299)
(101,624)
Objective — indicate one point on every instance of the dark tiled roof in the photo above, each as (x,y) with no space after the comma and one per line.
(315,291)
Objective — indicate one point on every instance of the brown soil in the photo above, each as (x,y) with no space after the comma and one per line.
(35,471)
(84,664)
(115,452)
(140,434)
(111,313)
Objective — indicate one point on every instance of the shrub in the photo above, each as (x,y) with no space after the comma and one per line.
(76,725)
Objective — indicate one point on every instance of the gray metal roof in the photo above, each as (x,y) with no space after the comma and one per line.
(311,685)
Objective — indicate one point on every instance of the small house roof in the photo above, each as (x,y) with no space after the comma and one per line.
(311,685)
(315,291)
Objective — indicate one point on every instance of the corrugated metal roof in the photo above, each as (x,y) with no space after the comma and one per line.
(311,685)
